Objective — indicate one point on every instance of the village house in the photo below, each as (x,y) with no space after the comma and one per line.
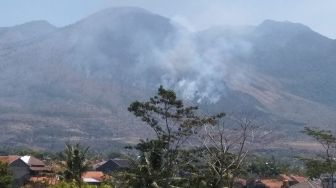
(282,181)
(93,177)
(23,168)
(36,166)
(18,169)
(112,165)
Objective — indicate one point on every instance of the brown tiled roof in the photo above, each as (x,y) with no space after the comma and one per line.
(39,168)
(299,179)
(32,161)
(272,183)
(8,159)
(94,174)
(305,184)
(285,177)
(4,159)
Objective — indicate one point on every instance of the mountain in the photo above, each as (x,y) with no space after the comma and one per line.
(20,34)
(74,83)
(303,59)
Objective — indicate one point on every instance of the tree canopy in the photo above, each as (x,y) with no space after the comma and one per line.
(5,176)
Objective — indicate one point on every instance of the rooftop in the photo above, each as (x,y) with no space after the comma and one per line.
(8,159)
(93,175)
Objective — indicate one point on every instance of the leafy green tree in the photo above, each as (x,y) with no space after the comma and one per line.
(324,164)
(76,163)
(173,125)
(264,168)
(5,176)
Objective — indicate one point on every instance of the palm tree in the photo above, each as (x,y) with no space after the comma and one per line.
(76,162)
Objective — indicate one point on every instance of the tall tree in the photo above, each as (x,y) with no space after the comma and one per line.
(5,176)
(173,124)
(324,163)
(76,162)
(224,147)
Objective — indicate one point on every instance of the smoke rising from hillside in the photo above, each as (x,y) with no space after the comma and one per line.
(198,70)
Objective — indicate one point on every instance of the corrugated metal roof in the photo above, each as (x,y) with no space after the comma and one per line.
(122,163)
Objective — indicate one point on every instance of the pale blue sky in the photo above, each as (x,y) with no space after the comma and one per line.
(195,14)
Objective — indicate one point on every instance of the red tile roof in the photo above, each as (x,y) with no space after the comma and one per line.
(299,179)
(8,159)
(97,175)
(272,183)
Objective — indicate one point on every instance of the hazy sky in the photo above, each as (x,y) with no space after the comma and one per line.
(195,14)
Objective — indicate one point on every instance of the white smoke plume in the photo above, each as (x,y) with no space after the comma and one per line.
(198,71)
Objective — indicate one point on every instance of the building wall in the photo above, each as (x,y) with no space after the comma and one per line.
(20,172)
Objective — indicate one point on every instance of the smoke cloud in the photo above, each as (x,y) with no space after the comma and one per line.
(199,70)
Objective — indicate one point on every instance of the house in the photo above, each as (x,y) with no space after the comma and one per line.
(112,165)
(93,177)
(23,168)
(265,183)
(36,166)
(18,168)
(307,184)
(292,179)
(274,183)
(282,181)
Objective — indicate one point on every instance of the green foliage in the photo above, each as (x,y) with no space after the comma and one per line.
(316,167)
(324,137)
(5,176)
(76,163)
(264,168)
(323,164)
(161,159)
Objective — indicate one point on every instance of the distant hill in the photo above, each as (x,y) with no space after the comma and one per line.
(74,83)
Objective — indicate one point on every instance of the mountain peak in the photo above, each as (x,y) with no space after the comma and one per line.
(282,26)
(36,23)
(116,12)
(119,23)
(124,9)
(26,31)
(286,30)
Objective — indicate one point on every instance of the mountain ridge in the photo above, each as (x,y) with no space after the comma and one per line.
(74,83)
